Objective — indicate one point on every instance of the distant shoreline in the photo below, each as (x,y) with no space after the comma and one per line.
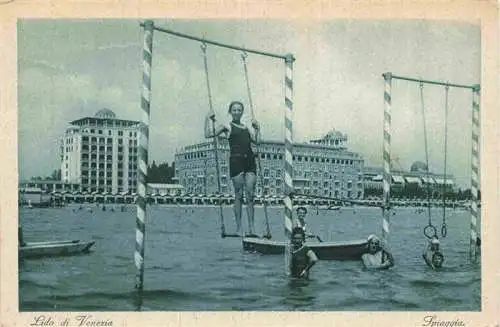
(91,205)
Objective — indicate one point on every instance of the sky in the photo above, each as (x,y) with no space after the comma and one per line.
(69,69)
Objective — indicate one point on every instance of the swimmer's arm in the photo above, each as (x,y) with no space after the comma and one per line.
(315,237)
(219,128)
(390,259)
(425,255)
(427,261)
(311,262)
(255,132)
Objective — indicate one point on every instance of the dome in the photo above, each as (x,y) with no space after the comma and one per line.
(418,166)
(334,134)
(105,113)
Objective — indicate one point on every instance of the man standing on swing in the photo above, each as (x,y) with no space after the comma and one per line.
(242,165)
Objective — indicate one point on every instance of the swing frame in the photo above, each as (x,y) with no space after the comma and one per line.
(149,27)
(475,162)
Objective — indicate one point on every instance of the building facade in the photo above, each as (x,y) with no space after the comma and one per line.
(100,153)
(417,179)
(322,167)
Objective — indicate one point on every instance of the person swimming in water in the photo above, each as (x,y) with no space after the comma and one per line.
(432,255)
(302,257)
(242,165)
(377,257)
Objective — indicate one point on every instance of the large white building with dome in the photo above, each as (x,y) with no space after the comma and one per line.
(100,153)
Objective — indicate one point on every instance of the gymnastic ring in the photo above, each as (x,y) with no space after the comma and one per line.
(444,230)
(428,229)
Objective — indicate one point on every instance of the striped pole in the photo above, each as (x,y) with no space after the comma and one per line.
(289,59)
(387,155)
(475,172)
(288,143)
(143,154)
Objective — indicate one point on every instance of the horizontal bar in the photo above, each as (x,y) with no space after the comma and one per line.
(473,87)
(203,40)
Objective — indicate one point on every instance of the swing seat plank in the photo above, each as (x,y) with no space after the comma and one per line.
(341,251)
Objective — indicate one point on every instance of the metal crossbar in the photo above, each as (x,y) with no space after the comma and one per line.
(473,87)
(216,43)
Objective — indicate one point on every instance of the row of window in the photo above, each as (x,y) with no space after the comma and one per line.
(106,140)
(298,158)
(102,181)
(109,165)
(270,173)
(109,148)
(108,173)
(87,181)
(108,132)
(200,189)
(267,182)
(109,158)
(93,156)
(318,174)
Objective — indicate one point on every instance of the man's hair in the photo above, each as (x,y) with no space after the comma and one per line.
(301,209)
(233,103)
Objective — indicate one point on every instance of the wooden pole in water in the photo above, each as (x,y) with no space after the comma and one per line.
(475,172)
(387,155)
(288,148)
(143,155)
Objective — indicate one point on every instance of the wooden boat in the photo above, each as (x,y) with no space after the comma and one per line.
(54,248)
(351,250)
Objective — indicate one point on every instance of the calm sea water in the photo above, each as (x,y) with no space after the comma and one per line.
(189,267)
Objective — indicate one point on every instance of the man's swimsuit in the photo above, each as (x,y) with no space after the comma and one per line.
(300,260)
(242,158)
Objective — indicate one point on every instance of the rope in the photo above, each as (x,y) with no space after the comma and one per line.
(429,226)
(444,230)
(244,56)
(221,214)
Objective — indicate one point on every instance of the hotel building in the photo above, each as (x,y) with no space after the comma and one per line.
(100,153)
(322,167)
(373,178)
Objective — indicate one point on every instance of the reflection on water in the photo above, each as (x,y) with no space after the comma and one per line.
(301,293)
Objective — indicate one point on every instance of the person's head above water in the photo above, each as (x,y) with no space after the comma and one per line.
(301,213)
(373,243)
(301,209)
(298,236)
(236,109)
(437,259)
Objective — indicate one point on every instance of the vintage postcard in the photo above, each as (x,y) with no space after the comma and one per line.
(249,163)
